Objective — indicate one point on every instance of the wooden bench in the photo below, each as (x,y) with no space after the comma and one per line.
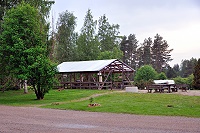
(157,88)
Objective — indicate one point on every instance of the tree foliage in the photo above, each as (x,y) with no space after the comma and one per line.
(196,74)
(155,53)
(160,53)
(145,73)
(170,72)
(65,49)
(114,54)
(187,80)
(87,43)
(187,67)
(145,52)
(161,76)
(24,48)
(107,34)
(129,48)
(176,69)
(21,32)
(144,76)
(41,75)
(108,39)
(44,7)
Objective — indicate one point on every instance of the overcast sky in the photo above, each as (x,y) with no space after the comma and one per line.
(177,21)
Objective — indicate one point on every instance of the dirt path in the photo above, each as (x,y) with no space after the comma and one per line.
(78,100)
(37,120)
(189,92)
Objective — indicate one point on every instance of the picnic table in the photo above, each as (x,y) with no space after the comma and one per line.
(161,87)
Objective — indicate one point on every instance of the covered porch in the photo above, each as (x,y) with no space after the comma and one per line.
(97,74)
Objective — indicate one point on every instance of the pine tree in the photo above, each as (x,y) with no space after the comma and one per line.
(145,53)
(187,67)
(123,48)
(129,49)
(176,69)
(160,53)
(170,73)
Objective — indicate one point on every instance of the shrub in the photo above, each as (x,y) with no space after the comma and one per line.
(180,80)
(144,76)
(188,81)
(145,73)
(161,76)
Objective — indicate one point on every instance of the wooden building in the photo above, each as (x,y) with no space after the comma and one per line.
(95,74)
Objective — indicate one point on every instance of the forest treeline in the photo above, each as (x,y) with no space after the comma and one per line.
(97,39)
(100,39)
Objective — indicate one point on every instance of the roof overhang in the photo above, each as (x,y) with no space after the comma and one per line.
(95,66)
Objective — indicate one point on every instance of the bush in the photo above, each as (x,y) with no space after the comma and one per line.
(145,73)
(188,81)
(161,76)
(144,76)
(142,84)
(180,80)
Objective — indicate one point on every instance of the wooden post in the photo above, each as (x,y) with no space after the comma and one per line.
(80,80)
(71,81)
(74,77)
(89,80)
(122,86)
(111,80)
(100,76)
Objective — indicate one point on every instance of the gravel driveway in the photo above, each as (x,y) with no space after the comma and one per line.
(37,120)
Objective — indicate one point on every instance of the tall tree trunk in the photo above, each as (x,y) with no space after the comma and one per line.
(25,87)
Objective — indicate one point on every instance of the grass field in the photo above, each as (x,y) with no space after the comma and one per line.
(115,102)
(18,98)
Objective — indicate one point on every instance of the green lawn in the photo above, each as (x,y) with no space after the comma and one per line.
(117,102)
(18,98)
(144,104)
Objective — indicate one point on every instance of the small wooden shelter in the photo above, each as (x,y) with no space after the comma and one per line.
(98,74)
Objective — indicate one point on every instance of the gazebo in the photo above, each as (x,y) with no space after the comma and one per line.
(95,74)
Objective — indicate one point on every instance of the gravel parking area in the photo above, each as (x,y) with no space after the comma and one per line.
(37,120)
(188,92)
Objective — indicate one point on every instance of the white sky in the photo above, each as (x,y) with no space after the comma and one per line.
(177,21)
